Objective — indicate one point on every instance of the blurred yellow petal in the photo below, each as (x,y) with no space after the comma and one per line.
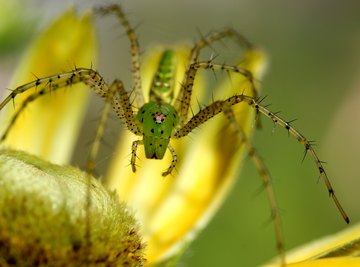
(332,262)
(48,127)
(171,210)
(340,249)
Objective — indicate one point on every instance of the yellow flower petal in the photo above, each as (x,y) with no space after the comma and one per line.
(49,125)
(331,262)
(340,249)
(171,210)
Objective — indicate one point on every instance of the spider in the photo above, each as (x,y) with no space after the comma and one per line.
(165,116)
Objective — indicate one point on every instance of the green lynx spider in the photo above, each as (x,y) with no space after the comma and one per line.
(165,117)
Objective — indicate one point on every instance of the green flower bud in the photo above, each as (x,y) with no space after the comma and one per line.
(49,216)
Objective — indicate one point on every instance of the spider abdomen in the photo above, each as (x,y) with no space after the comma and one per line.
(156,121)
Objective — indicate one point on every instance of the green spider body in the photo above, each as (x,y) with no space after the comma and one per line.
(156,121)
(158,118)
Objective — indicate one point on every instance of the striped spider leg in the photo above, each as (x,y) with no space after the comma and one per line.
(224,106)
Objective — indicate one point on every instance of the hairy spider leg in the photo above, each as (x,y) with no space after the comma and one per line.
(217,36)
(218,106)
(115,94)
(94,150)
(134,47)
(266,180)
(49,84)
(182,103)
(191,75)
(141,142)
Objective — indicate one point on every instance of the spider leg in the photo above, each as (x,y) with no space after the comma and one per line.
(134,148)
(133,153)
(51,83)
(216,36)
(14,118)
(208,112)
(182,103)
(134,46)
(90,164)
(190,77)
(123,107)
(266,179)
(218,106)
(173,162)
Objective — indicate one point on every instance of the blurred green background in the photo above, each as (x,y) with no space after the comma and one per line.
(314,76)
